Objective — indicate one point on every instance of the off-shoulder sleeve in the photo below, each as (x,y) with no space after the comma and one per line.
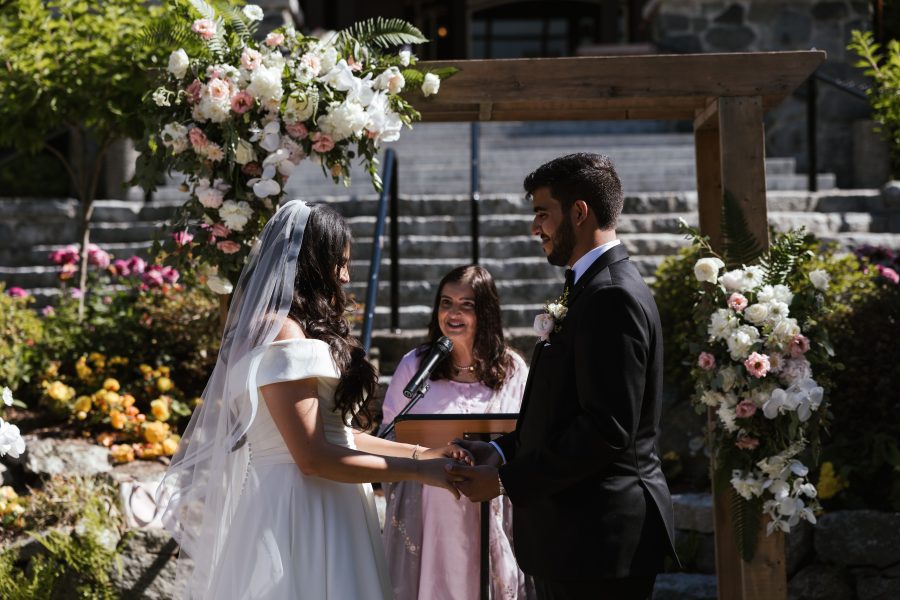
(291,360)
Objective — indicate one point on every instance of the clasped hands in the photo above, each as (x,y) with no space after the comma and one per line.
(471,470)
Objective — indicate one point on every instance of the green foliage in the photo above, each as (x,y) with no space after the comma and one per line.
(78,553)
(882,64)
(741,247)
(20,332)
(785,255)
(381,32)
(746,515)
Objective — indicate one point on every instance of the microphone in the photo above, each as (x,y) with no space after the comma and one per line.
(438,352)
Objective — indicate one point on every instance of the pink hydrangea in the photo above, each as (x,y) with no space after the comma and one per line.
(17,292)
(228,247)
(799,345)
(205,28)
(746,442)
(706,361)
(745,409)
(737,302)
(182,238)
(757,364)
(322,142)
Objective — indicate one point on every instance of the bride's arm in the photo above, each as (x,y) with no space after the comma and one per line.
(375,445)
(294,406)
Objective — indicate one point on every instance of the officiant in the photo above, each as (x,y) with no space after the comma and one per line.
(432,539)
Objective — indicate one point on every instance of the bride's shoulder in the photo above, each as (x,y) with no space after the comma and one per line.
(290,330)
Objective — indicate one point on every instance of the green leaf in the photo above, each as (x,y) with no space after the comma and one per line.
(382,32)
(740,246)
(746,514)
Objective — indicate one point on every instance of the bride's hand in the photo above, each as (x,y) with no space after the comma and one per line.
(452,451)
(433,472)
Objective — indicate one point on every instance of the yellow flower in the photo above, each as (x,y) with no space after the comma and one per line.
(82,370)
(52,370)
(118,360)
(155,431)
(829,484)
(98,359)
(127,400)
(122,453)
(144,369)
(8,493)
(160,409)
(81,415)
(83,404)
(111,385)
(148,451)
(164,384)
(60,392)
(170,445)
(164,370)
(117,419)
(112,399)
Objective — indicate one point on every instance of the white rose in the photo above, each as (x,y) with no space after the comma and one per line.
(298,108)
(756,313)
(328,56)
(431,85)
(779,293)
(219,285)
(819,279)
(707,269)
(178,63)
(778,311)
(253,12)
(405,55)
(727,378)
(244,152)
(741,341)
(235,214)
(391,80)
(784,331)
(543,325)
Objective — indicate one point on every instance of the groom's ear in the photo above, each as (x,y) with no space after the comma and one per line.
(580,212)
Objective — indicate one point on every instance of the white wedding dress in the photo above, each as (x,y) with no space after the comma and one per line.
(299,537)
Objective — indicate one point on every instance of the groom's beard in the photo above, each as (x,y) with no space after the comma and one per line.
(562,244)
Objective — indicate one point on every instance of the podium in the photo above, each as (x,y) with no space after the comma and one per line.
(433,431)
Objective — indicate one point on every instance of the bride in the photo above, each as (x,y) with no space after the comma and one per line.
(268,491)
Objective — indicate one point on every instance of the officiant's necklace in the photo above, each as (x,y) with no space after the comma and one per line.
(467,369)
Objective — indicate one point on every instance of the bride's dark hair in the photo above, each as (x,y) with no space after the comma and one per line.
(319,307)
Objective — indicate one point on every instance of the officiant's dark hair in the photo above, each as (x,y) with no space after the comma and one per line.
(493,362)
(582,176)
(319,306)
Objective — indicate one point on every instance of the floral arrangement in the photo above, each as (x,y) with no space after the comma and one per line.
(133,423)
(236,115)
(551,319)
(758,347)
(11,441)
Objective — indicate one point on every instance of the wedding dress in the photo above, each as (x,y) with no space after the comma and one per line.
(299,536)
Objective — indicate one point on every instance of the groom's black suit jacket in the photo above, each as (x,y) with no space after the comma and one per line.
(589,496)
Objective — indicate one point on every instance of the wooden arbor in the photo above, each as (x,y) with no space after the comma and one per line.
(725,95)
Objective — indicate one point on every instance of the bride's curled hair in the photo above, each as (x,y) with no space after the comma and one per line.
(319,307)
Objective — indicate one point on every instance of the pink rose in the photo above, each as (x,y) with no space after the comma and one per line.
(17,292)
(298,130)
(153,277)
(354,66)
(218,89)
(219,230)
(274,39)
(746,442)
(241,102)
(120,268)
(64,256)
(169,274)
(706,361)
(67,271)
(228,247)
(799,345)
(322,142)
(198,138)
(182,238)
(250,59)
(194,90)
(97,257)
(757,364)
(737,302)
(745,409)
(204,28)
(137,265)
(889,274)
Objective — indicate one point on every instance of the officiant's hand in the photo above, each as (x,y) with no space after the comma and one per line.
(478,484)
(451,450)
(483,452)
(436,472)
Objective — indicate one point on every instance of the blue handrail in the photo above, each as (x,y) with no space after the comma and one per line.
(387,199)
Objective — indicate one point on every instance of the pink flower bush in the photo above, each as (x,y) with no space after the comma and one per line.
(137,265)
(153,277)
(120,268)
(799,345)
(48,311)
(745,409)
(757,364)
(182,238)
(706,361)
(67,271)
(65,256)
(17,292)
(97,256)
(889,274)
(737,302)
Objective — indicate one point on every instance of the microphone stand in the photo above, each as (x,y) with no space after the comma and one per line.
(420,393)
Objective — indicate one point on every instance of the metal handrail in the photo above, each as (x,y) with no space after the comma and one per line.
(387,200)
(474,185)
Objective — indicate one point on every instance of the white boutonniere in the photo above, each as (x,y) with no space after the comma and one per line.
(551,319)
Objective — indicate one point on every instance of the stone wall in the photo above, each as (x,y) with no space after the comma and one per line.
(770,25)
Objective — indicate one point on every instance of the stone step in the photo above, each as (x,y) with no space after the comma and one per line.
(422,291)
(417,316)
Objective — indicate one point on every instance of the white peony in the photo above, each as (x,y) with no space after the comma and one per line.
(219,285)
(235,214)
(298,107)
(244,152)
(265,83)
(741,341)
(779,293)
(343,120)
(543,325)
(820,279)
(209,197)
(707,269)
(11,441)
(431,85)
(721,324)
(328,56)
(783,331)
(253,12)
(778,311)
(757,313)
(742,280)
(178,63)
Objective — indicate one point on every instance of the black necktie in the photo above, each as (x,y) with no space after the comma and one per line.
(570,282)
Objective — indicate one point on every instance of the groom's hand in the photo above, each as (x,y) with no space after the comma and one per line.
(483,452)
(478,484)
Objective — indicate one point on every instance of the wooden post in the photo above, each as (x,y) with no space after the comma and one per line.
(708,159)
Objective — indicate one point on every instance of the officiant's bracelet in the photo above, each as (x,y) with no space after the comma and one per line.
(415,454)
(500,483)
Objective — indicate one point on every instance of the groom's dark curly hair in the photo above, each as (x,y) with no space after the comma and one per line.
(582,176)
(319,307)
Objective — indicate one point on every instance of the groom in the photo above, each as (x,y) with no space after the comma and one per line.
(592,515)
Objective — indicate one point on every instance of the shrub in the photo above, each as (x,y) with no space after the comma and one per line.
(20,331)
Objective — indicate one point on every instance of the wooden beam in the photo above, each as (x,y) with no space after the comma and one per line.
(729,570)
(708,160)
(766,575)
(742,147)
(708,117)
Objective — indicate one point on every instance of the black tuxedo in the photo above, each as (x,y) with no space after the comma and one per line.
(589,497)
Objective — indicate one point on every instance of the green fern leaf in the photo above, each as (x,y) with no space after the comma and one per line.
(382,33)
(787,252)
(739,245)
(166,34)
(747,514)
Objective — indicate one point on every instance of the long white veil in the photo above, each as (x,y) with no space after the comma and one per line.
(204,484)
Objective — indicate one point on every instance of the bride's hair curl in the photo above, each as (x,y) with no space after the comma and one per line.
(319,306)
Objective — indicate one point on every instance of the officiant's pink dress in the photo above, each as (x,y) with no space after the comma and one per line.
(432,540)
